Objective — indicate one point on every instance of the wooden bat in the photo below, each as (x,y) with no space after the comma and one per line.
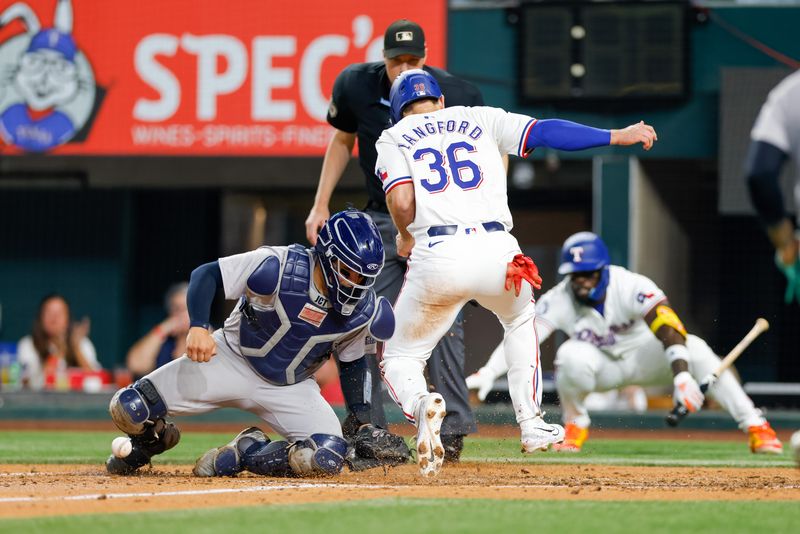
(680,411)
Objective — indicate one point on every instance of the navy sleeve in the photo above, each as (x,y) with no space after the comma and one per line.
(566,135)
(203,284)
(763,169)
(356,384)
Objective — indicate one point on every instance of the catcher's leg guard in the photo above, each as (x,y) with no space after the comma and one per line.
(138,411)
(320,454)
(157,438)
(136,407)
(270,459)
(226,461)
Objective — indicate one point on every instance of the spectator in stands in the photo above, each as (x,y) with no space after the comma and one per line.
(55,344)
(167,340)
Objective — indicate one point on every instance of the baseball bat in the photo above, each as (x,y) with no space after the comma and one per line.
(680,411)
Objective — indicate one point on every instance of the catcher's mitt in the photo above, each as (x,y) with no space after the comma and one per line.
(374,447)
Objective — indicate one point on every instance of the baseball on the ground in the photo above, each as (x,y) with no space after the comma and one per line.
(795,443)
(121,447)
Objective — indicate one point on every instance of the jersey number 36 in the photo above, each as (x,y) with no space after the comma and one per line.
(466,174)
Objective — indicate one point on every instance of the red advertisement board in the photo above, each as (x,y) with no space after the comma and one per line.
(186,77)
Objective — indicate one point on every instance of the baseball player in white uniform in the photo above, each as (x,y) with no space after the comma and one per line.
(622,332)
(445,186)
(774,139)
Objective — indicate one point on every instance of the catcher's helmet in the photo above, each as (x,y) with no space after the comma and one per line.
(410,86)
(349,240)
(586,252)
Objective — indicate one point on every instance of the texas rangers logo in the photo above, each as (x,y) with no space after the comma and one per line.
(47,87)
(577,254)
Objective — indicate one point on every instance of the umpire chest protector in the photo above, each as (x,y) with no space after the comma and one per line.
(285,331)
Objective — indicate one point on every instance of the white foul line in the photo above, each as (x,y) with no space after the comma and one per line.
(99,496)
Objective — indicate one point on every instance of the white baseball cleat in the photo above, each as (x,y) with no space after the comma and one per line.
(430,451)
(538,435)
(482,381)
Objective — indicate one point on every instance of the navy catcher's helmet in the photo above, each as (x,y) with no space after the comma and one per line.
(586,252)
(410,86)
(349,243)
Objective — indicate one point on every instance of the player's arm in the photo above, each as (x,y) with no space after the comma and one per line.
(668,328)
(337,156)
(402,207)
(203,284)
(353,373)
(398,185)
(567,135)
(762,170)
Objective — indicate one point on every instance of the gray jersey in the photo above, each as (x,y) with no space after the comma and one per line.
(778,122)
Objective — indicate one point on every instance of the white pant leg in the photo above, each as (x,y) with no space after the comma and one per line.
(295,411)
(727,390)
(653,368)
(516,314)
(582,368)
(427,305)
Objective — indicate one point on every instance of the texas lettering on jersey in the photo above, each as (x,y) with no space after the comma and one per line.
(618,329)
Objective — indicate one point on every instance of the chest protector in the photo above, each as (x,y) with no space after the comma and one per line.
(287,341)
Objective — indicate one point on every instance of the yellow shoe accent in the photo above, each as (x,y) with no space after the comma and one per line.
(763,440)
(574,440)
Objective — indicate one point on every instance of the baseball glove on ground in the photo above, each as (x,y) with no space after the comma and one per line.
(374,447)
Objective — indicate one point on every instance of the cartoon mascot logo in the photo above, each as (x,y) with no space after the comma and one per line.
(48,93)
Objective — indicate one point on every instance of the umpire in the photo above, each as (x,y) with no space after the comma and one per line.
(360,109)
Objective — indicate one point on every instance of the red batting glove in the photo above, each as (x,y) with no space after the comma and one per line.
(522,268)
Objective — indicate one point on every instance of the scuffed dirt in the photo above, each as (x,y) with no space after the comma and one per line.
(79,489)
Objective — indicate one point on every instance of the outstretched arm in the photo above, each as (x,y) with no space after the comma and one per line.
(567,135)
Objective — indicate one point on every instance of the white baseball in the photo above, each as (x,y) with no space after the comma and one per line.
(121,447)
(795,443)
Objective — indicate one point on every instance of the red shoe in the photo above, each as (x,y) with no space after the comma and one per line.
(574,439)
(763,440)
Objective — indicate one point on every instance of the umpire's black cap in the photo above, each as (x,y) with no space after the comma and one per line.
(403,37)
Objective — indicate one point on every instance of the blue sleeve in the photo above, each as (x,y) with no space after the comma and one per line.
(203,285)
(566,135)
(356,384)
(763,169)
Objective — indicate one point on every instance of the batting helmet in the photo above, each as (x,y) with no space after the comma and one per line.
(349,240)
(410,86)
(586,252)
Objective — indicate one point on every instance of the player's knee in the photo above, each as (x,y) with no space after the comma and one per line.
(132,407)
(572,366)
(320,454)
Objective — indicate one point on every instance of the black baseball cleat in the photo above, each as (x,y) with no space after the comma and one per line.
(158,438)
(453,445)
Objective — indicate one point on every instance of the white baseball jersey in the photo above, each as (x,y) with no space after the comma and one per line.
(619,330)
(453,158)
(778,122)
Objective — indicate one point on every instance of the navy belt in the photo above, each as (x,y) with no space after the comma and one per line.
(451,229)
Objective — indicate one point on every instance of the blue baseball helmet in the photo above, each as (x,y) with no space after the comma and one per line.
(586,252)
(349,242)
(410,86)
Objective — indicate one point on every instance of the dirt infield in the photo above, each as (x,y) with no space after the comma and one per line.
(37,490)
